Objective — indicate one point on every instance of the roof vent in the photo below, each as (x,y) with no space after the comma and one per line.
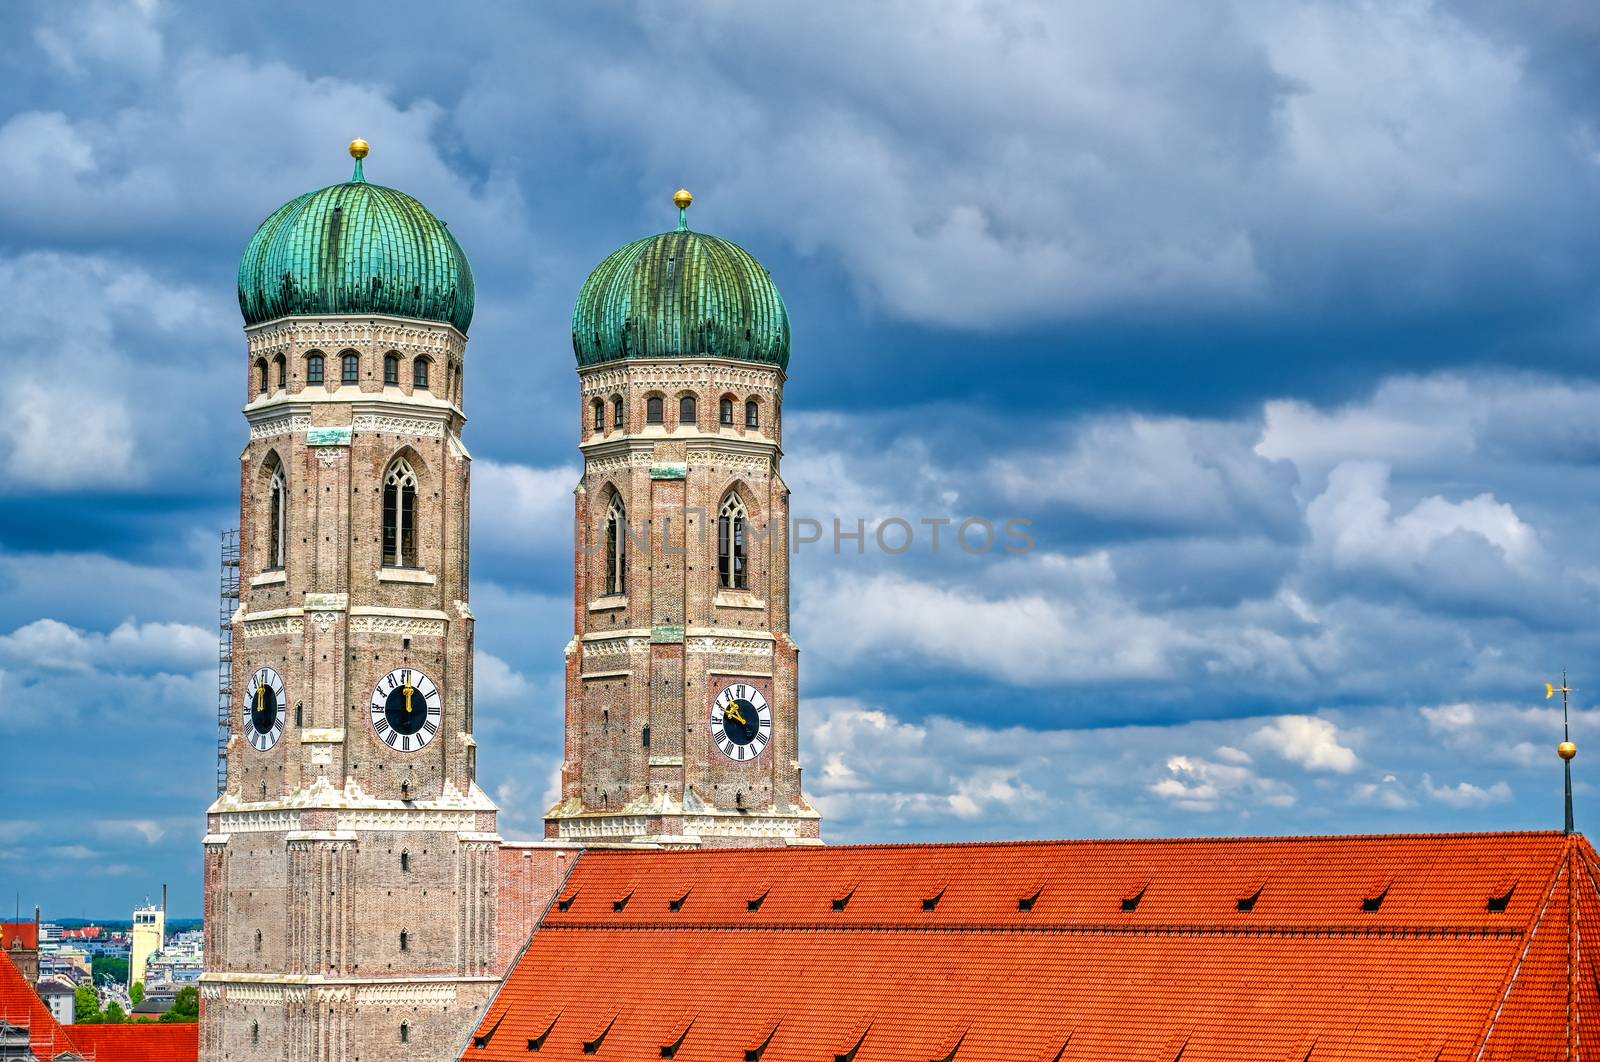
(841,901)
(1055,1056)
(621,902)
(756,1048)
(1247,902)
(931,903)
(954,1042)
(760,897)
(1028,899)
(1372,899)
(1133,894)
(483,1040)
(565,903)
(591,1046)
(675,1037)
(1500,898)
(676,903)
(852,1043)
(537,1043)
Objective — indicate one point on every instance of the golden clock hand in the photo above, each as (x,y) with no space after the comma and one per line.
(733,712)
(408,698)
(260,694)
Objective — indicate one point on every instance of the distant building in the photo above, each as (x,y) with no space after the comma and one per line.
(21,942)
(59,995)
(31,1031)
(149,931)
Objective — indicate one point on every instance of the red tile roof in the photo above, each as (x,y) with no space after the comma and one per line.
(21,1006)
(139,1042)
(1278,950)
(23,935)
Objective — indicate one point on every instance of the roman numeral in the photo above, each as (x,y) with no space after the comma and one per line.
(382,723)
(405,743)
(429,727)
(433,709)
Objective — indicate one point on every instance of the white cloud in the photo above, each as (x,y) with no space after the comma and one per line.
(494,681)
(48,644)
(1466,794)
(520,509)
(1313,743)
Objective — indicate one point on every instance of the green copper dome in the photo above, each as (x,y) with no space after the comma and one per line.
(355,248)
(680,294)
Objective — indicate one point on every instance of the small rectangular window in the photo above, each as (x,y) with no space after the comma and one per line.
(652,410)
(352,369)
(314,369)
(419,373)
(391,371)
(752,415)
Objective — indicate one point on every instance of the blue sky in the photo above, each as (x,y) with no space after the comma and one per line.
(1277,320)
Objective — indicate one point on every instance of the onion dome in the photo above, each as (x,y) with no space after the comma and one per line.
(355,248)
(680,294)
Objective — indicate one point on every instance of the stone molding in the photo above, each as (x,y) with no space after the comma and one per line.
(377,334)
(707,374)
(368,624)
(268,628)
(279,424)
(354,820)
(731,646)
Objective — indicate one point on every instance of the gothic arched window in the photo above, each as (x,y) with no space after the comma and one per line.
(733,534)
(616,547)
(405,1033)
(391,370)
(725,413)
(405,861)
(277,516)
(405,941)
(616,411)
(280,366)
(400,515)
(314,368)
(351,367)
(752,414)
(419,373)
(261,376)
(686,412)
(598,408)
(652,410)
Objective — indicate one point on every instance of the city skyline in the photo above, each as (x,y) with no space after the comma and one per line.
(1293,381)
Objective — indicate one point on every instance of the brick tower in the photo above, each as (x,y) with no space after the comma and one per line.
(351,862)
(682,680)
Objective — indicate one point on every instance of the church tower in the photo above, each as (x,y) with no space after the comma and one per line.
(351,862)
(682,679)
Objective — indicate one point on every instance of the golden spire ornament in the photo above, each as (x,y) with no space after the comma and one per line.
(683,199)
(358,151)
(1566,750)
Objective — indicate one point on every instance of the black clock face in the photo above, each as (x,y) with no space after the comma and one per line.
(741,722)
(406,709)
(265,709)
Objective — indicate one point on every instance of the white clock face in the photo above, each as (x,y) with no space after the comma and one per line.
(741,722)
(406,709)
(268,703)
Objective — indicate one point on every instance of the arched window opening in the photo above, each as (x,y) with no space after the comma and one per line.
(255,1032)
(725,413)
(277,510)
(258,940)
(752,414)
(616,548)
(351,371)
(686,412)
(652,410)
(314,368)
(261,376)
(405,862)
(405,941)
(391,370)
(419,373)
(400,516)
(405,1033)
(732,544)
(616,411)
(599,411)
(280,365)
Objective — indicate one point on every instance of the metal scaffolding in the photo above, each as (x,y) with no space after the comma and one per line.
(227,605)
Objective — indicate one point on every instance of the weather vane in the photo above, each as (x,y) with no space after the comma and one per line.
(1566,750)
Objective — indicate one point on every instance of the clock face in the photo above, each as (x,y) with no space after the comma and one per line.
(741,722)
(266,708)
(406,709)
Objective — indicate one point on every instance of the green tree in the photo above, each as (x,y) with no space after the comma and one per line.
(86,1005)
(185,1007)
(114,1014)
(136,993)
(110,968)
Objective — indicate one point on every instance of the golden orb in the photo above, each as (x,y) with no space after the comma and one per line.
(681,199)
(358,148)
(1566,750)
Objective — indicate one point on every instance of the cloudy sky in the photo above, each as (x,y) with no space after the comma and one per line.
(1278,322)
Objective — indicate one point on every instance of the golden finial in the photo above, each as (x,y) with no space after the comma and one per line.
(1566,750)
(359,149)
(682,199)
